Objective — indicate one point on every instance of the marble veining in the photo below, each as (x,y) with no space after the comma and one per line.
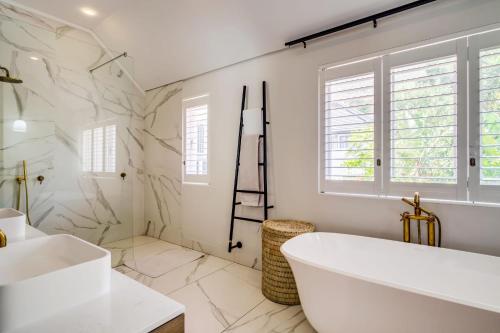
(163,190)
(157,258)
(220,296)
(270,317)
(57,100)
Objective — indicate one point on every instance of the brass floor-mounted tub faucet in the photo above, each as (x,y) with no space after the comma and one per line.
(3,239)
(429,217)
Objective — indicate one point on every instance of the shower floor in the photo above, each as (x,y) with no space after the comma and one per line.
(219,295)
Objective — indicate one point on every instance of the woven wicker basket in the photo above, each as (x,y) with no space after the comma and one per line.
(278,283)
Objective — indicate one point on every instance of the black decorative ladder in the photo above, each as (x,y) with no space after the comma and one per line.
(262,164)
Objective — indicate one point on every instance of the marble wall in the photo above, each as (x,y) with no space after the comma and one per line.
(163,148)
(58,99)
(195,216)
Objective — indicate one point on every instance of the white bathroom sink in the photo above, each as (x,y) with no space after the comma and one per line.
(44,276)
(13,224)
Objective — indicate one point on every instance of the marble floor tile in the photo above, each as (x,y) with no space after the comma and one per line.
(153,248)
(269,317)
(220,296)
(124,269)
(220,299)
(158,258)
(178,277)
(202,315)
(123,248)
(130,242)
(247,274)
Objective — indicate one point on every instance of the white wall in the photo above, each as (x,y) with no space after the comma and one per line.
(293,107)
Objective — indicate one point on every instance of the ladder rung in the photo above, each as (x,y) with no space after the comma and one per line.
(237,203)
(269,207)
(247,219)
(261,136)
(252,192)
(261,163)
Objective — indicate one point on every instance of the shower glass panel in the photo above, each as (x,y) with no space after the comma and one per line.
(81,132)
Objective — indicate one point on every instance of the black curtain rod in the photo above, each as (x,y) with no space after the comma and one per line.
(124,54)
(371,18)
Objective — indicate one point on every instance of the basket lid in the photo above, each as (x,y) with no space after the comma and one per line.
(288,226)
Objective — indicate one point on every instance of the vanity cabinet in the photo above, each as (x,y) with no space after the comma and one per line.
(176,325)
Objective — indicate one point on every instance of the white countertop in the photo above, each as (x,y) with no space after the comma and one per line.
(130,307)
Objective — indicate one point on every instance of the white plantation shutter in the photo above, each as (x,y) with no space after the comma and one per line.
(110,148)
(424,122)
(195,145)
(484,55)
(489,109)
(425,135)
(349,128)
(87,151)
(196,140)
(99,149)
(423,119)
(349,113)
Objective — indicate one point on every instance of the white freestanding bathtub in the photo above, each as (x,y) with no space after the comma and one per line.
(351,284)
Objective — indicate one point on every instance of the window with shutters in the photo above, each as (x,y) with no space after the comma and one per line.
(424,122)
(195,140)
(99,149)
(348,131)
(425,141)
(484,117)
(489,116)
(423,119)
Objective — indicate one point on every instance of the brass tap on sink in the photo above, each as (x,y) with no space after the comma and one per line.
(3,239)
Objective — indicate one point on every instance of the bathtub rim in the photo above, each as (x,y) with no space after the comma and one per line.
(445,297)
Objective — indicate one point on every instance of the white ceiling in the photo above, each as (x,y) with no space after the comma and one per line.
(175,39)
(69,10)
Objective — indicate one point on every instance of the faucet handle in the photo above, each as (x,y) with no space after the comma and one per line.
(411,203)
(416,198)
(3,239)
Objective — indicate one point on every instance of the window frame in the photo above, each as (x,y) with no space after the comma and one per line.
(371,65)
(189,103)
(91,127)
(458,191)
(477,43)
(469,190)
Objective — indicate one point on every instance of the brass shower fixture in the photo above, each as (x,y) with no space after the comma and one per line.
(20,180)
(428,217)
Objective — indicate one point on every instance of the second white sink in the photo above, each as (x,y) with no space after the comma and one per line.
(44,276)
(13,224)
